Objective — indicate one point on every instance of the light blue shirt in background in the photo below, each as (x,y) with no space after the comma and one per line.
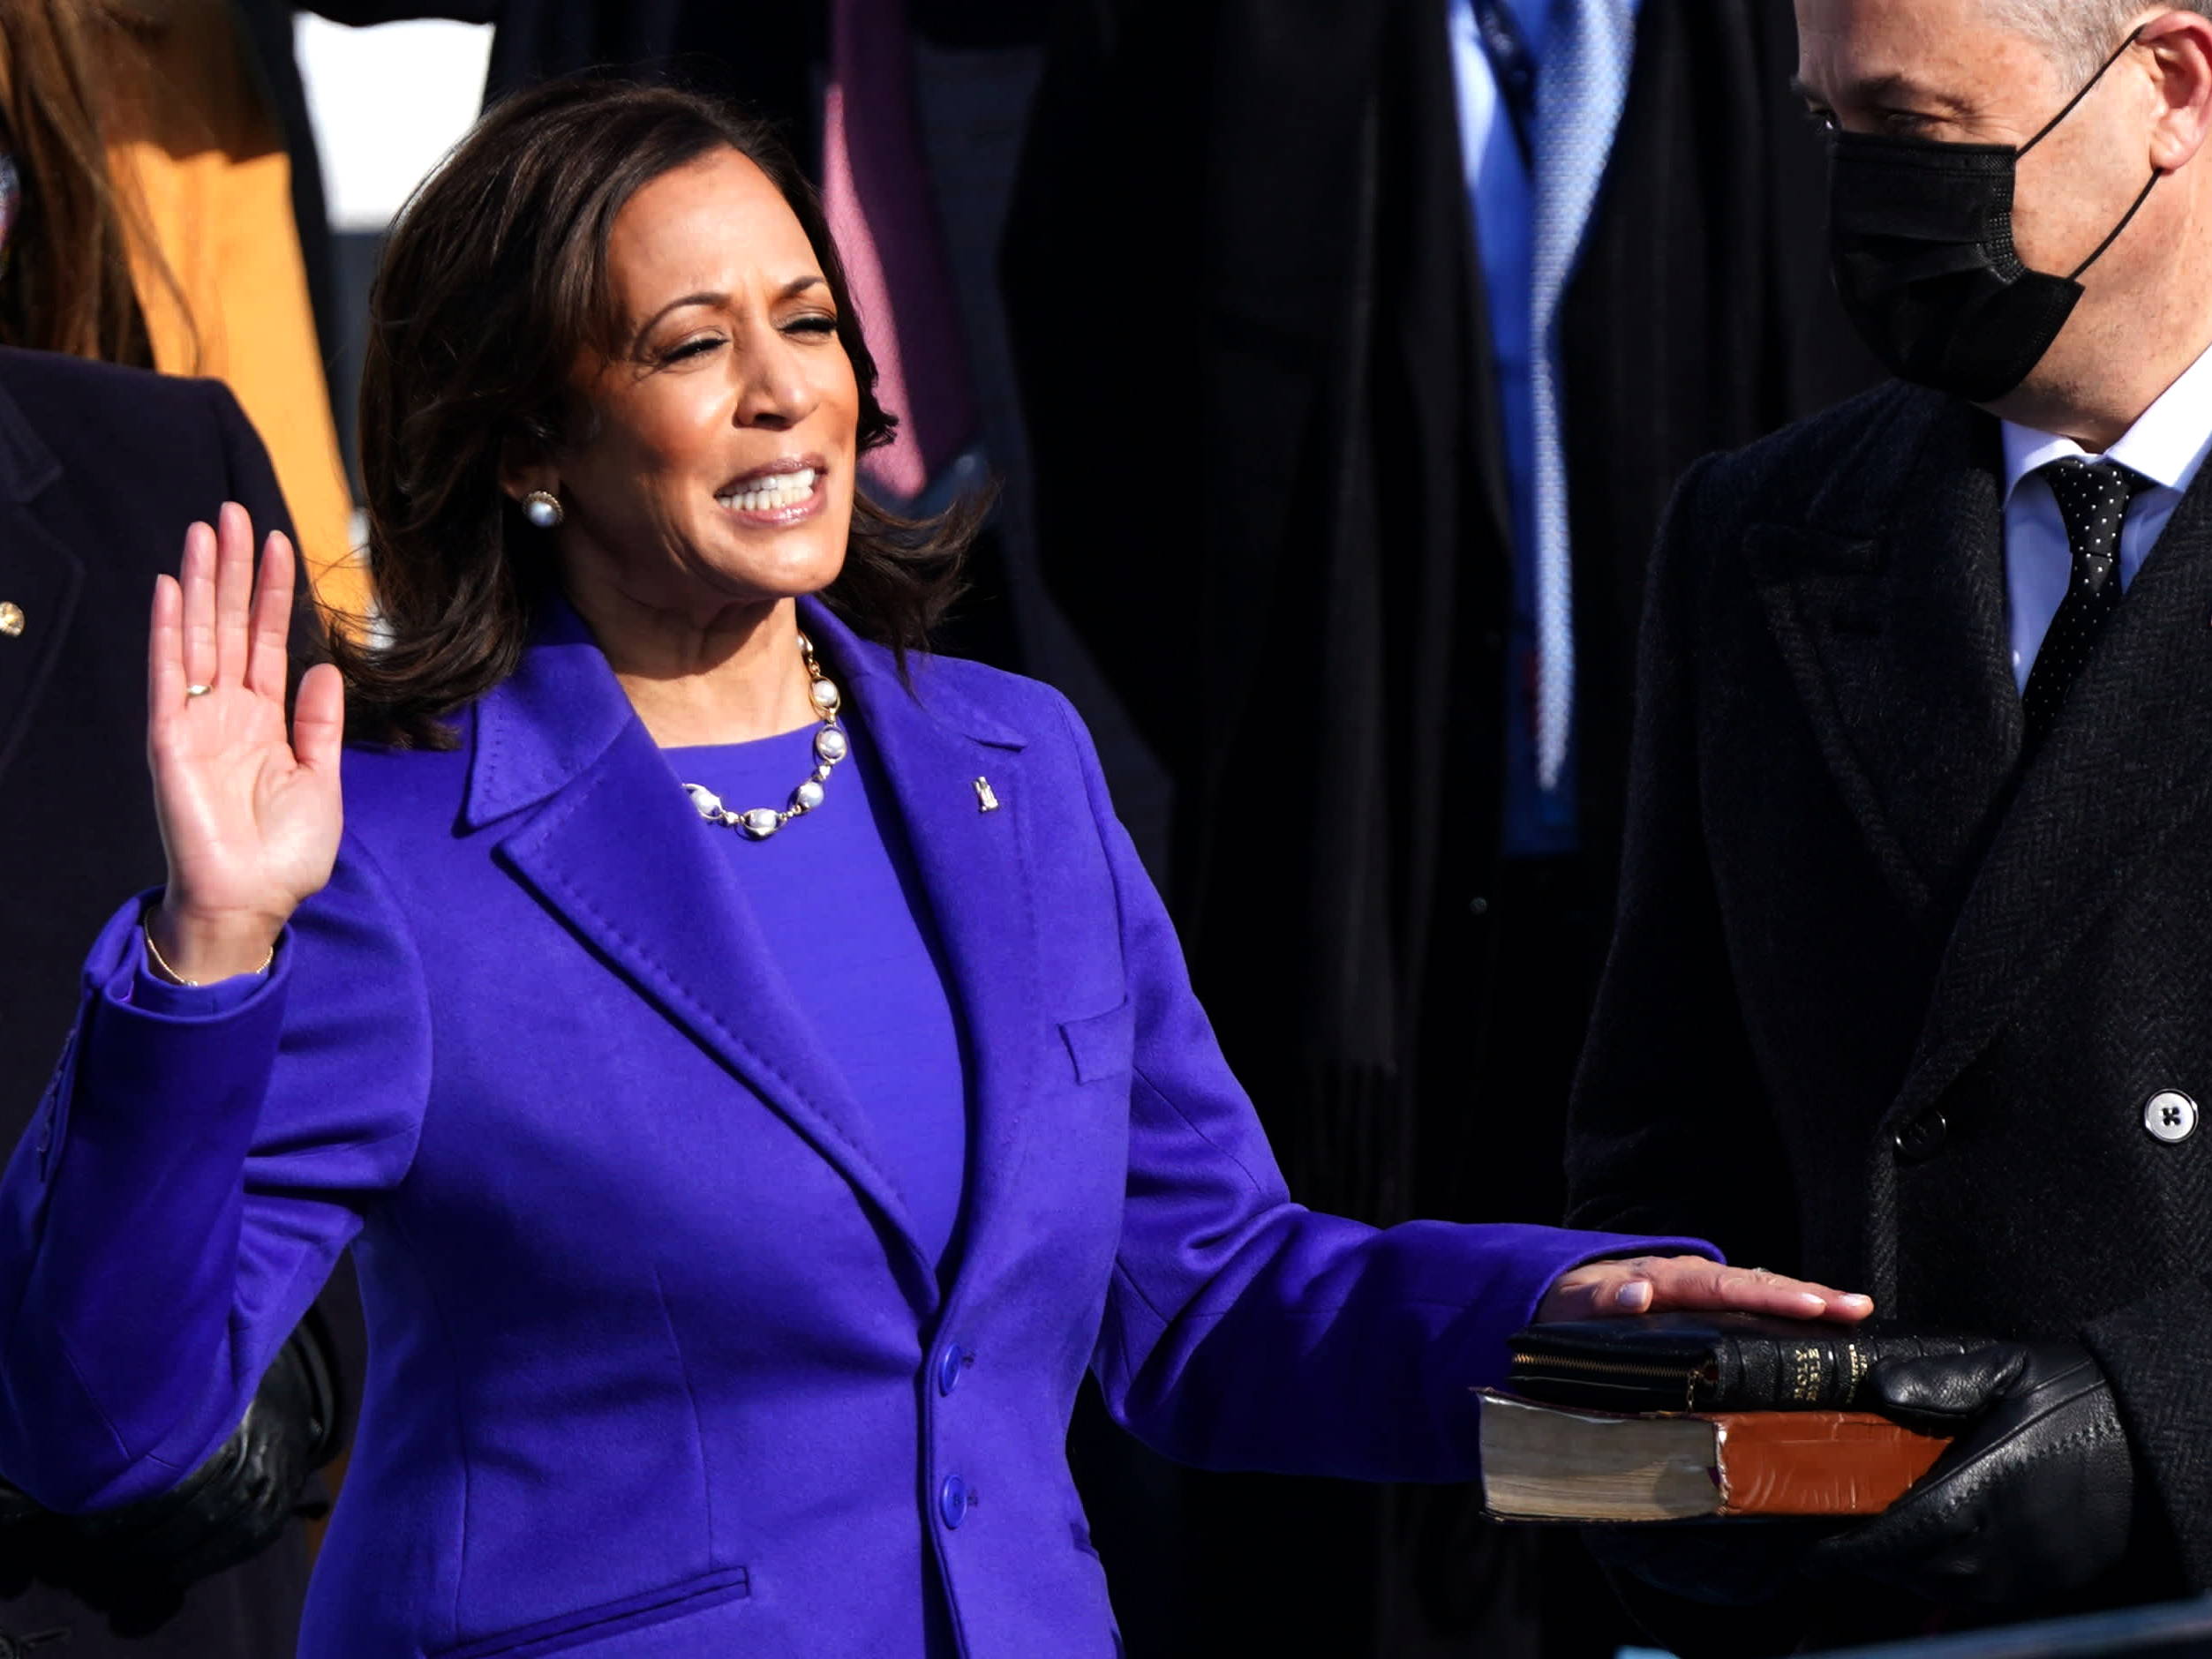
(1536,821)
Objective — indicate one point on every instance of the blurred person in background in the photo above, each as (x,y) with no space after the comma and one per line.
(101,467)
(176,131)
(1381,332)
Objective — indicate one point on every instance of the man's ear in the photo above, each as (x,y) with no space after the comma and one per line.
(2180,44)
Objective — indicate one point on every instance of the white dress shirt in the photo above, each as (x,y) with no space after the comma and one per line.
(2166,446)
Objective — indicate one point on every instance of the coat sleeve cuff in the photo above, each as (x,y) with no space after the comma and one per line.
(149,994)
(1477,1355)
(118,974)
(1572,1249)
(222,1036)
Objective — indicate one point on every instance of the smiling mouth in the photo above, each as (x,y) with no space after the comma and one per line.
(771,491)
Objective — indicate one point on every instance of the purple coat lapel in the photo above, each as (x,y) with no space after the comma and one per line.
(607,840)
(937,749)
(604,837)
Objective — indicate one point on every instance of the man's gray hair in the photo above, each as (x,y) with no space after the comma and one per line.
(2080,34)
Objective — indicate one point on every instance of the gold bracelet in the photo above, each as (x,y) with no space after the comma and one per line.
(172,975)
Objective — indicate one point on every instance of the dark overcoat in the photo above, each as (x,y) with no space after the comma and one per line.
(101,470)
(1889,999)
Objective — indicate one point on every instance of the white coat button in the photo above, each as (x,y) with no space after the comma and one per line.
(2170,1115)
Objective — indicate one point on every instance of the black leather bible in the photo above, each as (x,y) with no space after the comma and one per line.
(1710,1361)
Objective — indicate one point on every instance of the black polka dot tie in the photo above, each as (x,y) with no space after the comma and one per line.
(2093,498)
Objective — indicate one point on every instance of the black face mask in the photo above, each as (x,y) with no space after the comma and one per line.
(1921,244)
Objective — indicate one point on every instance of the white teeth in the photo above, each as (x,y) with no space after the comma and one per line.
(784,489)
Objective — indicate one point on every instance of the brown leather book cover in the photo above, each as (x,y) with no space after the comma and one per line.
(1815,1462)
(1552,1463)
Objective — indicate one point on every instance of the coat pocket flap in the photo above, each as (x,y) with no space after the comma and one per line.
(606,1624)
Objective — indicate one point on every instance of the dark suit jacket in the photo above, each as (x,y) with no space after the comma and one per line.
(101,470)
(1886,1003)
(1241,271)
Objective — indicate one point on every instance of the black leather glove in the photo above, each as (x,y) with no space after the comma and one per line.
(134,1562)
(2036,1497)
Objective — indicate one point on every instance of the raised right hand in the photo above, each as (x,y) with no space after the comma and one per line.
(250,814)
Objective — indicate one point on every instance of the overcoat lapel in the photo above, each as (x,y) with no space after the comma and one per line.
(1891,620)
(940,754)
(2127,764)
(613,847)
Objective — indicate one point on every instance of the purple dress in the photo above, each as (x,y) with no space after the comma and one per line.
(839,893)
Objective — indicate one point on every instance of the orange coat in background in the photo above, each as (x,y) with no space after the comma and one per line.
(194,144)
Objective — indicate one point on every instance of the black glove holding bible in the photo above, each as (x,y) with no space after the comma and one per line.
(2036,1497)
(134,1562)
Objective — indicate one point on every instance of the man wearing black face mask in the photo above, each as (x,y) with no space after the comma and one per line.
(1913,980)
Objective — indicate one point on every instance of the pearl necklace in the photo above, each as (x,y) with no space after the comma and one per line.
(829,748)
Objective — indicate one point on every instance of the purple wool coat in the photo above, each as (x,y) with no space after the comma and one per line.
(657,1368)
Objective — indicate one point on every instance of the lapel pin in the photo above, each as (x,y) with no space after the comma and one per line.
(985,800)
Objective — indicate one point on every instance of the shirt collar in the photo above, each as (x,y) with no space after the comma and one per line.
(2166,445)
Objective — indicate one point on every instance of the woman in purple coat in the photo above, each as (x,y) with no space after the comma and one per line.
(743,1052)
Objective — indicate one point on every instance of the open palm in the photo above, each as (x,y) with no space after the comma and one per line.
(250,811)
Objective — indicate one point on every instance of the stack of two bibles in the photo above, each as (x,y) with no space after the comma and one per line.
(1676,1417)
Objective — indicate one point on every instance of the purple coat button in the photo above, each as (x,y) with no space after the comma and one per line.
(950,1363)
(953,1499)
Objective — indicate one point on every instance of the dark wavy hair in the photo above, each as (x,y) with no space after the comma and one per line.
(493,280)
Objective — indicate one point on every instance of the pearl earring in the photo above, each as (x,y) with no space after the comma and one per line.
(542,508)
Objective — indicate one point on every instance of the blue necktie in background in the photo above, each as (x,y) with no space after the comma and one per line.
(1582,82)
